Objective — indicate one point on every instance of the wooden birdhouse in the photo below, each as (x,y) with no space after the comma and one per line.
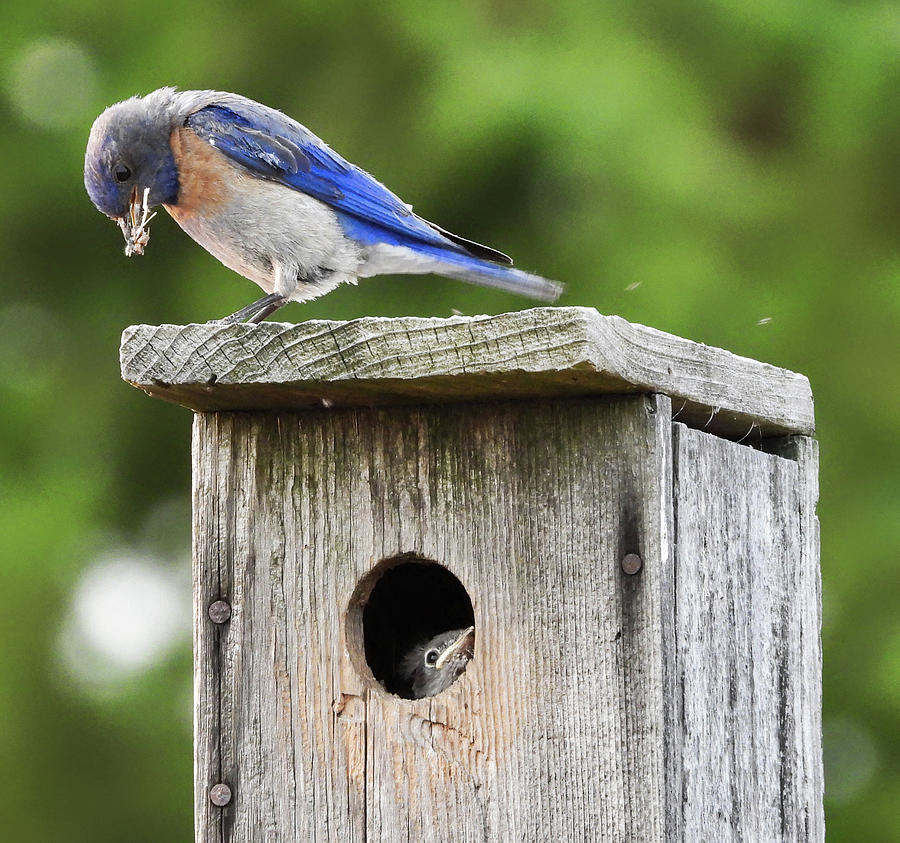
(625,518)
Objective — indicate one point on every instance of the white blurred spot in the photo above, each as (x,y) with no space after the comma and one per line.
(851,757)
(632,286)
(832,609)
(128,612)
(764,321)
(53,83)
(166,528)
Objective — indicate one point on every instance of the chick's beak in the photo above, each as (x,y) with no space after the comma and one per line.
(134,223)
(465,643)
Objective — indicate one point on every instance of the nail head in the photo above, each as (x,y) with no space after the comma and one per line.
(220,611)
(631,563)
(220,795)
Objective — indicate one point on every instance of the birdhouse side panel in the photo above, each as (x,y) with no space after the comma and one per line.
(746,643)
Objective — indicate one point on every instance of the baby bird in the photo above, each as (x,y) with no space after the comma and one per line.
(434,665)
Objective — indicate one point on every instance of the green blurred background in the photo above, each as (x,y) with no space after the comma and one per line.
(723,170)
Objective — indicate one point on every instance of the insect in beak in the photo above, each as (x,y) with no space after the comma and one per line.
(134,223)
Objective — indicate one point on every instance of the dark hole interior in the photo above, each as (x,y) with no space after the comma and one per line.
(410,603)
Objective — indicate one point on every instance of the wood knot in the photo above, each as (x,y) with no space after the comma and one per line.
(350,708)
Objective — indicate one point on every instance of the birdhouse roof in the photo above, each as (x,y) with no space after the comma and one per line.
(541,353)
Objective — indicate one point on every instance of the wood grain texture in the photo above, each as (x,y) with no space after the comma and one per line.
(555,731)
(539,353)
(804,688)
(746,741)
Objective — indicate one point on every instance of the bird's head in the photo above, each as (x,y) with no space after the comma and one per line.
(129,166)
(434,665)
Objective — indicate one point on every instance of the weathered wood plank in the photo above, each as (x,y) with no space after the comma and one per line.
(746,653)
(538,353)
(555,731)
(804,687)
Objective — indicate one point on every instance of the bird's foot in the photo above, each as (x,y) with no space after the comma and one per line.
(254,312)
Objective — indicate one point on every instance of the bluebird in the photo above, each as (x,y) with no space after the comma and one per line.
(434,665)
(270,200)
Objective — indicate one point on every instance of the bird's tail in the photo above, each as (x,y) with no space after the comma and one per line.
(498,276)
(387,258)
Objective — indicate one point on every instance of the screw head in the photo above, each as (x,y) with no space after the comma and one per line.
(219,611)
(220,794)
(631,563)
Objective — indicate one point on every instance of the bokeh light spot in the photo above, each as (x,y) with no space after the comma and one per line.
(128,612)
(53,83)
(851,757)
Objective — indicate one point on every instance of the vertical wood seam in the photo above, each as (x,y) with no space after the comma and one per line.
(219,641)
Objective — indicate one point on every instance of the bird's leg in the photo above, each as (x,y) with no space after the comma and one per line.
(256,311)
(277,302)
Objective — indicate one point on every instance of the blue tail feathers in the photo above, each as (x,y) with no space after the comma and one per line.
(476,271)
(456,257)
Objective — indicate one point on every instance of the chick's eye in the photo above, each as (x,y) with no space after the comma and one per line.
(122,173)
(431,657)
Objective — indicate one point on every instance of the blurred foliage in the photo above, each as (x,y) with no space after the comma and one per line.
(722,170)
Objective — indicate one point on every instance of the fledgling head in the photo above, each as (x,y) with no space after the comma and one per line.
(128,152)
(434,665)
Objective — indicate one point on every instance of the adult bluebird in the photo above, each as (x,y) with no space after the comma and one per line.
(270,200)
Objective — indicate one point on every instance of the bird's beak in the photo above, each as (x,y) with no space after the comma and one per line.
(134,223)
(466,641)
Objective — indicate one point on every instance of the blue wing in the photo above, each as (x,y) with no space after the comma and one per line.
(275,147)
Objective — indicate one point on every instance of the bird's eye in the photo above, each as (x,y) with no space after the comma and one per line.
(431,657)
(122,173)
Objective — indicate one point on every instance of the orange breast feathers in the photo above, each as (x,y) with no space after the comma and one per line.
(203,174)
